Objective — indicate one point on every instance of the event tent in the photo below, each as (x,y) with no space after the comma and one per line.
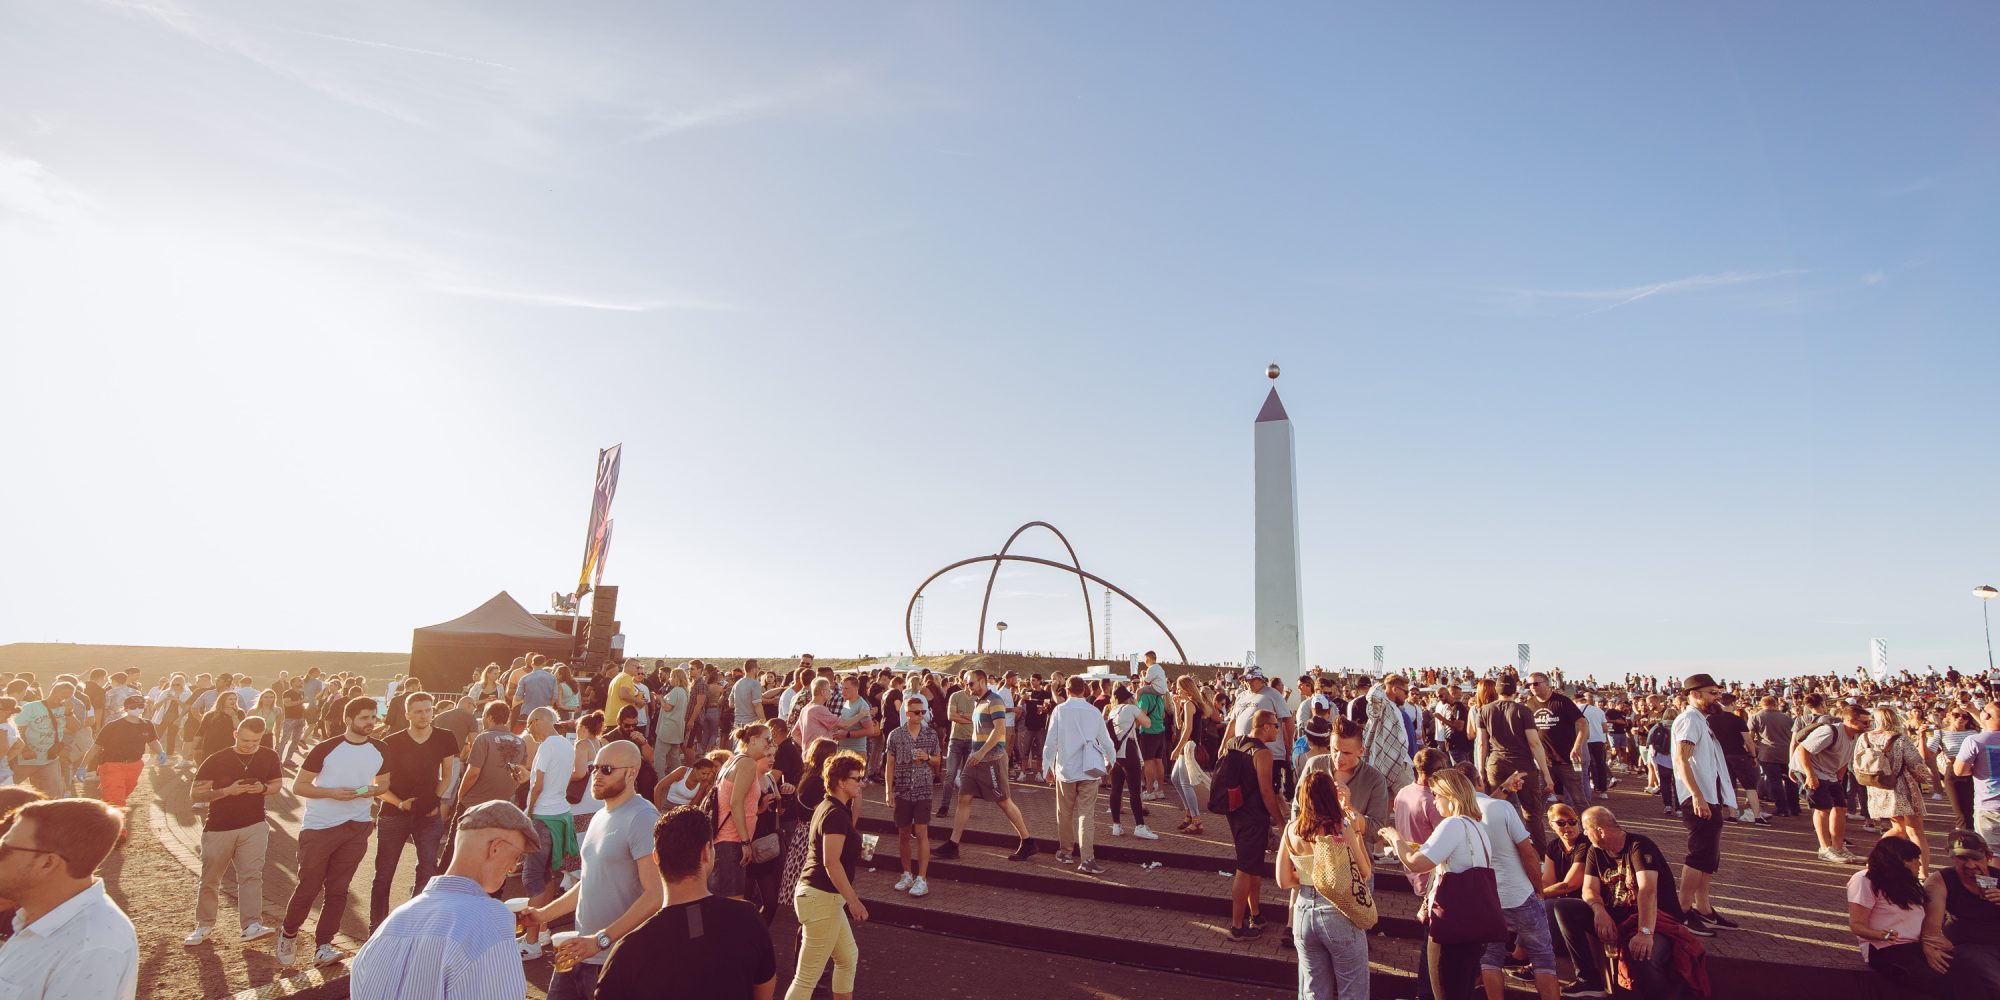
(447,656)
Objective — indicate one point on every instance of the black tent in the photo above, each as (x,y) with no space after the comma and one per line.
(448,656)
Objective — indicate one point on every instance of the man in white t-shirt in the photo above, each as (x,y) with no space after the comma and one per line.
(548,805)
(1701,776)
(746,696)
(1243,716)
(339,781)
(1600,761)
(1517,869)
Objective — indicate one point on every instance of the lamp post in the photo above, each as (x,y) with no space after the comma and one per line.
(1001,627)
(1986,596)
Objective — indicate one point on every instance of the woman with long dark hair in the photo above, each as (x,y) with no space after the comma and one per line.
(1126,720)
(1885,909)
(1332,948)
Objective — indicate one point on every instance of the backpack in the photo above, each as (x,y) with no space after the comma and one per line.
(1873,766)
(1237,772)
(1661,738)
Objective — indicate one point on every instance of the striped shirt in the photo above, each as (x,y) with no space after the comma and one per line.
(450,942)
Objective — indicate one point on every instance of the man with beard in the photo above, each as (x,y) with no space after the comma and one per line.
(621,884)
(412,806)
(70,940)
(338,780)
(985,772)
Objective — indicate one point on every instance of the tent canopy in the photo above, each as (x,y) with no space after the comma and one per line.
(445,656)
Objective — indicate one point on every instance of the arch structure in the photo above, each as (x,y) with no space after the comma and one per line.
(1083,582)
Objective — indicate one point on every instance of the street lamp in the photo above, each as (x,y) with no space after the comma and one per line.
(1001,627)
(1986,595)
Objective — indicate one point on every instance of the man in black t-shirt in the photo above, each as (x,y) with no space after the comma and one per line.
(699,946)
(1627,880)
(1566,735)
(123,744)
(411,808)
(234,781)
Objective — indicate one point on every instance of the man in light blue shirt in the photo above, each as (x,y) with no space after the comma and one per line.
(453,941)
(537,689)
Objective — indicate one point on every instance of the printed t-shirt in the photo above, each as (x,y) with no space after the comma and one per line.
(1621,887)
(494,753)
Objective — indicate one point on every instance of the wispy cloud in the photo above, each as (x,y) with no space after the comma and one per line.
(28,189)
(392,46)
(570,301)
(1874,277)
(738,108)
(1616,298)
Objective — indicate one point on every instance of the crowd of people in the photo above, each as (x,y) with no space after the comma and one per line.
(653,819)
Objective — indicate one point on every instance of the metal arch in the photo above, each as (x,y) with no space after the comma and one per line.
(1075,563)
(1092,577)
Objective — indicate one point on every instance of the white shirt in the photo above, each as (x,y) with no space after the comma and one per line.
(1076,742)
(555,758)
(246,698)
(1711,770)
(84,949)
(785,699)
(1595,716)
(1505,830)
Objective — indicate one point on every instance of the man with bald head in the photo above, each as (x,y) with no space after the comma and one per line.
(621,884)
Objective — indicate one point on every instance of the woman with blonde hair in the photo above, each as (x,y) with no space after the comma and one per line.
(1332,906)
(1191,711)
(1459,844)
(1901,802)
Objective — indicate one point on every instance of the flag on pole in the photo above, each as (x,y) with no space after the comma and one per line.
(1878,660)
(599,535)
(1378,661)
(603,553)
(1521,658)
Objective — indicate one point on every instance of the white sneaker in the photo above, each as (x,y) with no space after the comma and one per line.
(326,955)
(903,884)
(1142,833)
(288,949)
(530,951)
(257,932)
(1117,831)
(197,936)
(920,888)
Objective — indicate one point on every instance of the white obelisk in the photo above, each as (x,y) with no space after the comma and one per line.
(1279,635)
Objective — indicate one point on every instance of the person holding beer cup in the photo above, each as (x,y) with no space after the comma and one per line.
(454,932)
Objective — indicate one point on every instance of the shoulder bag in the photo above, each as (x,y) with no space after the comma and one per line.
(1464,907)
(1336,876)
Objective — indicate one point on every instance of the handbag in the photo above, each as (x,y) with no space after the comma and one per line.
(1336,876)
(1464,907)
(1186,769)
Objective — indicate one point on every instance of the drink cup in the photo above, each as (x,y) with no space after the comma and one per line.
(563,962)
(517,906)
(868,842)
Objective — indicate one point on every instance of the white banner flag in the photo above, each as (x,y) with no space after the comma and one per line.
(1878,660)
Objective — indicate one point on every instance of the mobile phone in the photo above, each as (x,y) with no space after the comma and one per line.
(1987,882)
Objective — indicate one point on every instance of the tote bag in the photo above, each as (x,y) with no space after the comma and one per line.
(1464,907)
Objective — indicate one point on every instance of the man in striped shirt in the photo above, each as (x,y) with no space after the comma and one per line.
(453,941)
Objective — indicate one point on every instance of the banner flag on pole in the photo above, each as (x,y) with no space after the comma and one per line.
(1521,657)
(603,553)
(599,534)
(1378,661)
(1878,660)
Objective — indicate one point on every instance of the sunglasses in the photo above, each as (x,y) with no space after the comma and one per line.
(1565,822)
(607,770)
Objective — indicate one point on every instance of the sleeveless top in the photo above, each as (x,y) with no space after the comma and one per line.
(725,789)
(681,793)
(1973,919)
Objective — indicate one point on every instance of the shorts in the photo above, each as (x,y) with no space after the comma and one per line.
(728,877)
(1153,746)
(1251,832)
(1742,772)
(912,812)
(986,779)
(1704,838)
(1530,924)
(1831,794)
(1619,741)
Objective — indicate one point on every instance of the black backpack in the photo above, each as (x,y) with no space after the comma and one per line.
(1237,772)
(1661,738)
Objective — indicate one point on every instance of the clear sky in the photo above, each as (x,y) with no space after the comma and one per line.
(1660,338)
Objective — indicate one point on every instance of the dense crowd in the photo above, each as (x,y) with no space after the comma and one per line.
(643,825)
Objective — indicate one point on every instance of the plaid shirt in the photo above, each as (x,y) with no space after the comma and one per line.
(913,778)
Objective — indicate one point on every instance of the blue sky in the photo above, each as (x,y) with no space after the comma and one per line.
(1657,338)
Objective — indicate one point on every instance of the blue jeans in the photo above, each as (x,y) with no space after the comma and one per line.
(1188,799)
(1530,924)
(535,863)
(579,983)
(393,828)
(1333,953)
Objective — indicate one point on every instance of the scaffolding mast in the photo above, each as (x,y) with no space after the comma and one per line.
(1107,622)
(917,627)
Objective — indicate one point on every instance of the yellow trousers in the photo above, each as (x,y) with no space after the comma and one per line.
(823,919)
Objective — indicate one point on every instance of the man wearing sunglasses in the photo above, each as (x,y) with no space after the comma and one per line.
(621,883)
(910,768)
(72,940)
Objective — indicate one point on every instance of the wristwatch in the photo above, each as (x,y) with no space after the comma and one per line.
(1645,930)
(603,941)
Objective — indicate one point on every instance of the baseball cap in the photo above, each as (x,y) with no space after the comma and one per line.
(1253,672)
(1967,844)
(1322,701)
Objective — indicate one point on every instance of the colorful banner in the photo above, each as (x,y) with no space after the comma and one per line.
(599,536)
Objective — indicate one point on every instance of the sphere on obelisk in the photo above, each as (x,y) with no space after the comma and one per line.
(1272,371)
